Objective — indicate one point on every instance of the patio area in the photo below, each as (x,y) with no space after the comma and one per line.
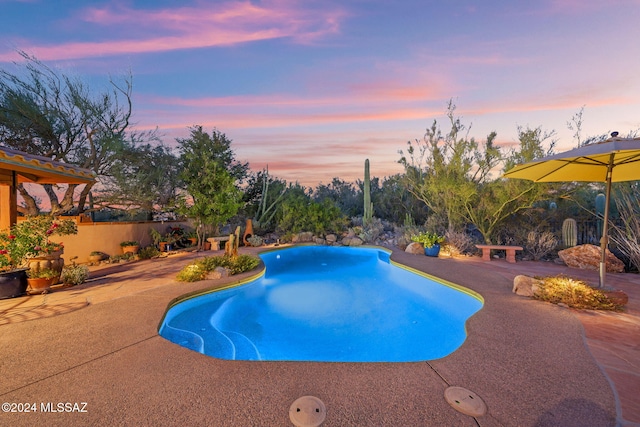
(532,363)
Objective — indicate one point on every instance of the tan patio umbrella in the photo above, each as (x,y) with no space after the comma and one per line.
(613,160)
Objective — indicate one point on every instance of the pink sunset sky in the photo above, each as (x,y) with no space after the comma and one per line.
(313,88)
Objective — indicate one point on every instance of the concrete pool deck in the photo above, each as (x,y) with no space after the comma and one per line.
(532,363)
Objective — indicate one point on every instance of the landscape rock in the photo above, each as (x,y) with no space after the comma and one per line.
(331,238)
(415,248)
(218,273)
(525,285)
(303,237)
(587,257)
(352,241)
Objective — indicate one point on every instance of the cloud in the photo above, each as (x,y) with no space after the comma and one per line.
(206,25)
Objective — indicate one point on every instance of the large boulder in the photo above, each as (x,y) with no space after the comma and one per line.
(587,257)
(415,248)
(352,241)
(525,285)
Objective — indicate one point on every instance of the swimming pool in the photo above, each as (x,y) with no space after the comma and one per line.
(334,304)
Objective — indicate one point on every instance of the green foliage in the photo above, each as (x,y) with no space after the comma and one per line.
(301,213)
(210,173)
(142,178)
(263,196)
(129,243)
(74,274)
(148,252)
(198,269)
(428,238)
(45,273)
(343,194)
(495,202)
(574,293)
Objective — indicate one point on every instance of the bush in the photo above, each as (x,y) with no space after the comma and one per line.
(574,293)
(458,243)
(539,245)
(198,269)
(74,274)
(148,252)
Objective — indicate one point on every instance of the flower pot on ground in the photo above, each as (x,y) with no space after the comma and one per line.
(130,246)
(13,283)
(40,281)
(433,251)
(430,241)
(52,261)
(97,256)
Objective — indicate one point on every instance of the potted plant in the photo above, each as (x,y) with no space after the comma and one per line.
(130,246)
(40,281)
(26,246)
(97,256)
(193,237)
(430,241)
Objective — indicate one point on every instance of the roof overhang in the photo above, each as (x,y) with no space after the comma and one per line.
(40,170)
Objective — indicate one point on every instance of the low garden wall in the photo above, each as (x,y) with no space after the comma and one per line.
(107,236)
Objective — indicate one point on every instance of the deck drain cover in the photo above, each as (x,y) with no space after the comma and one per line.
(465,401)
(307,411)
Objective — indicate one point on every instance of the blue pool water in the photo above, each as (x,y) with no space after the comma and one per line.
(334,304)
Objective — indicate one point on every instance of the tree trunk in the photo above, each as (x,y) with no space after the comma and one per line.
(83,197)
(31,206)
(53,198)
(67,200)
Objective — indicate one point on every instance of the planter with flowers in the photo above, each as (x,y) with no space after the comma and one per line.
(27,245)
(430,241)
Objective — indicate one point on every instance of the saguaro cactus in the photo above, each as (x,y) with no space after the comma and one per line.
(368,204)
(569,232)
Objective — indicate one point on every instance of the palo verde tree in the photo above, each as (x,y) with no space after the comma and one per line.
(48,113)
(210,174)
(453,175)
(443,170)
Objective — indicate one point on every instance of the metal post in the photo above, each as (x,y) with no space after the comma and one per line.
(604,240)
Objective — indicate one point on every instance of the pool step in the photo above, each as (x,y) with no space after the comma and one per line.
(245,349)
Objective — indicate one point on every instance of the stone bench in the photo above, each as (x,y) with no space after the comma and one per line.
(215,242)
(511,251)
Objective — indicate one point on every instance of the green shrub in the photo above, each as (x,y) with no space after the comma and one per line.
(74,274)
(198,270)
(148,252)
(574,293)
(191,273)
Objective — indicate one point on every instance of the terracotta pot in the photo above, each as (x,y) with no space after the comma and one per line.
(134,249)
(39,285)
(206,246)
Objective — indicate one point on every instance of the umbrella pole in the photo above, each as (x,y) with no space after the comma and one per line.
(604,240)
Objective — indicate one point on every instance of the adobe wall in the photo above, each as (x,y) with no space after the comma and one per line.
(106,237)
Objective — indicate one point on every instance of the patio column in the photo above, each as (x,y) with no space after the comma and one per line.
(8,202)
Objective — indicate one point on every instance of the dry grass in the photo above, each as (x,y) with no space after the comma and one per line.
(574,293)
